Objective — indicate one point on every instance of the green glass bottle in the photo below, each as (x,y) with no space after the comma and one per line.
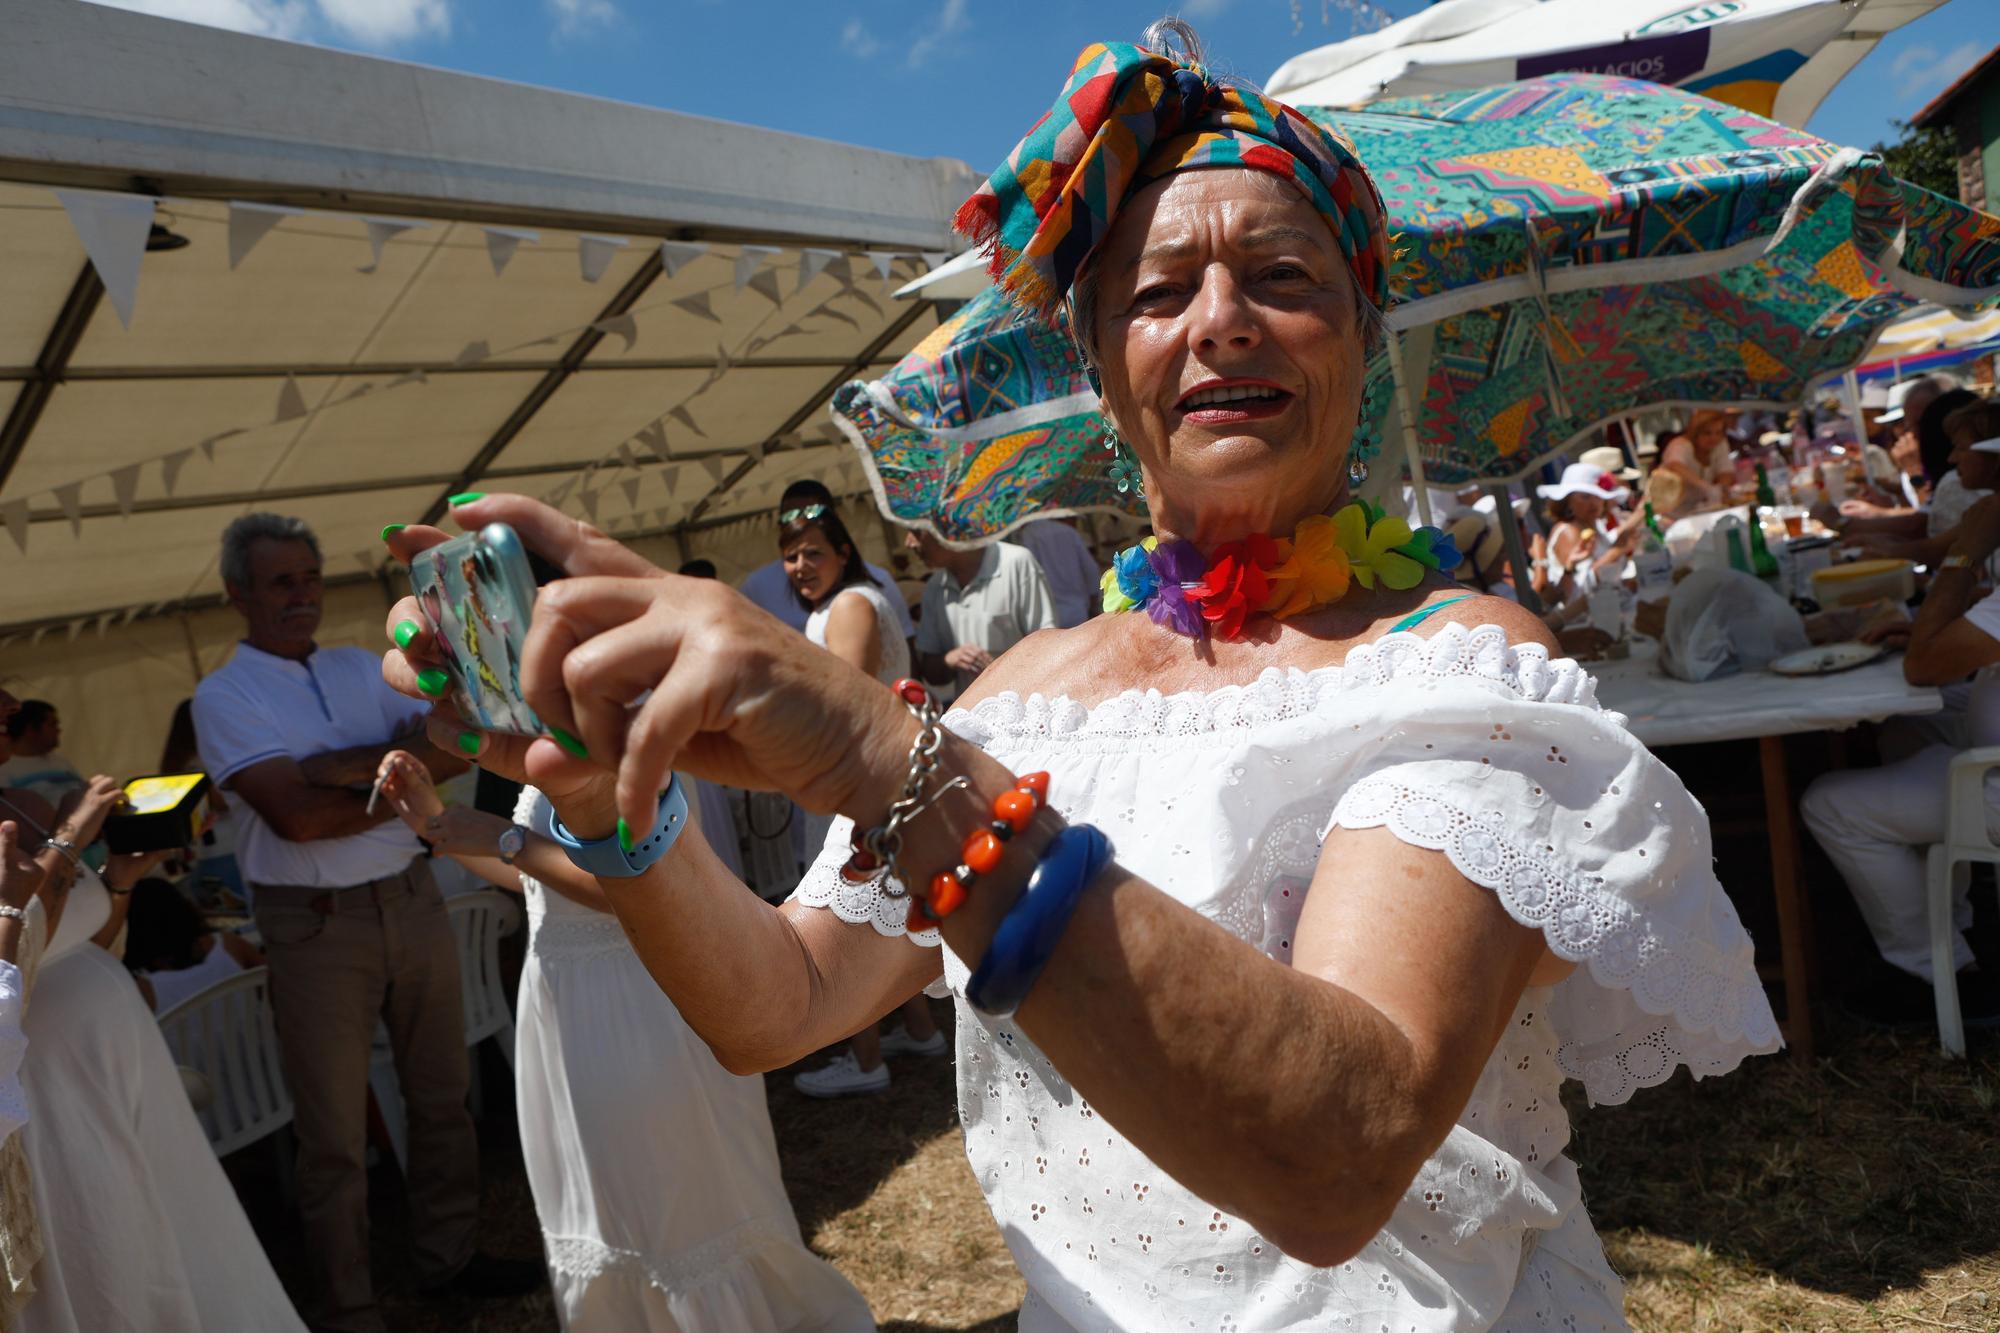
(1762,563)
(1766,497)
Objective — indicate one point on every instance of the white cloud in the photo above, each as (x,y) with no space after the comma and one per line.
(856,40)
(1921,73)
(952,19)
(577,16)
(388,22)
(263,18)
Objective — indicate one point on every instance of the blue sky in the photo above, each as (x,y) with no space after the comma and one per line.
(955,78)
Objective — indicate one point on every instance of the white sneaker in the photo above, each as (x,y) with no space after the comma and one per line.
(898,1041)
(843,1077)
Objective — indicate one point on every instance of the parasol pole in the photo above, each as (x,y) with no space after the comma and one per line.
(1852,383)
(1408,419)
(1517,550)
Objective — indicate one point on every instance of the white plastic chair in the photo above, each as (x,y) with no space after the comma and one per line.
(478,921)
(1949,868)
(226,1035)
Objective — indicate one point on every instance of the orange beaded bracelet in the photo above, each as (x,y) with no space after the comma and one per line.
(1013,810)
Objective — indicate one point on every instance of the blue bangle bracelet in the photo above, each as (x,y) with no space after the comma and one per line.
(1028,934)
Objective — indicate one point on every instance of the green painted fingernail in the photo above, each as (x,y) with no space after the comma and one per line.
(433,680)
(624,835)
(569,742)
(468,742)
(466,497)
(405,631)
(391,529)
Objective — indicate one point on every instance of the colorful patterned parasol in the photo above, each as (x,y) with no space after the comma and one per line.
(1575,248)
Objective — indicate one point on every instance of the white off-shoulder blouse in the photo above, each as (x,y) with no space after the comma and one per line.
(1488,752)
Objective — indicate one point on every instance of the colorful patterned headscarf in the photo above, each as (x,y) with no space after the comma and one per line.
(1129,116)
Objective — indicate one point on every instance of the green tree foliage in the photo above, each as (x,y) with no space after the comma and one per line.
(1924,157)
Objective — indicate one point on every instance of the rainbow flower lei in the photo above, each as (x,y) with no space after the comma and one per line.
(1196,596)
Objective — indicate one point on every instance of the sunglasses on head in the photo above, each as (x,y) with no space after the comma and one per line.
(804,513)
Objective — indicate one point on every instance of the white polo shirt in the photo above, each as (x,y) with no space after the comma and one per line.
(1006,601)
(1068,565)
(258,707)
(769,588)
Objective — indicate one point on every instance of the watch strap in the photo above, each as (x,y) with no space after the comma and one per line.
(1955,561)
(605,859)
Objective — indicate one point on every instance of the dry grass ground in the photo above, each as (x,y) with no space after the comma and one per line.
(1860,1194)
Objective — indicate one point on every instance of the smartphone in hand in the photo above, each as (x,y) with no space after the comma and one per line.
(478,594)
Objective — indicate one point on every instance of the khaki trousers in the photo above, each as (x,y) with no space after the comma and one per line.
(341,960)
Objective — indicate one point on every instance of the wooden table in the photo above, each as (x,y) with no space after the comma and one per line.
(1663,712)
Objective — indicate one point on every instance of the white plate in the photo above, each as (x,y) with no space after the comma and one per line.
(1828,658)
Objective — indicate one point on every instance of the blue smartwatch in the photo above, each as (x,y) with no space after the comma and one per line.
(605,859)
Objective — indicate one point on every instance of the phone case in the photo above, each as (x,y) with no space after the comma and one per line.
(478,594)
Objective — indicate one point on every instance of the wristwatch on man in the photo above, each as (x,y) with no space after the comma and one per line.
(511,843)
(1955,561)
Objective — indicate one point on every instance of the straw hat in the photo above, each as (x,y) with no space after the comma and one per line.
(1608,458)
(1899,394)
(1583,479)
(1667,492)
(1478,541)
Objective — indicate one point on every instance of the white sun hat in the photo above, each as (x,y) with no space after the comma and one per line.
(1898,394)
(1583,479)
(1991,446)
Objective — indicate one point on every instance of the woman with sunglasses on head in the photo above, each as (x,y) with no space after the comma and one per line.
(1290,1055)
(850,616)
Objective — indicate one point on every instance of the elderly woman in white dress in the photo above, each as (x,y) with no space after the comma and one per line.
(1384,875)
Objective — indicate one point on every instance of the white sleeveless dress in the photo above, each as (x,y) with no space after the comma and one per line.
(141,1230)
(1495,756)
(654,1172)
(894,666)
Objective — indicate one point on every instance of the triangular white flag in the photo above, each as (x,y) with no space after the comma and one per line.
(713,466)
(723,361)
(811,262)
(207,446)
(933,258)
(249,222)
(698,304)
(380,230)
(676,255)
(594,254)
(686,418)
(653,436)
(502,242)
(469,355)
(361,390)
(749,259)
(625,458)
(670,477)
(881,259)
(15,513)
(124,486)
(588,499)
(69,497)
(630,486)
(625,326)
(75,627)
(291,401)
(758,450)
(765,284)
(113,229)
(421,377)
(171,465)
(130,614)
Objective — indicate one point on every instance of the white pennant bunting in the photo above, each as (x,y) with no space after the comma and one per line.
(669,476)
(698,304)
(207,446)
(171,465)
(588,499)
(630,486)
(36,637)
(103,623)
(625,458)
(75,627)
(130,614)
(881,259)
(625,326)
(811,262)
(124,486)
(765,284)
(113,229)
(502,242)
(248,224)
(70,498)
(15,513)
(420,377)
(933,258)
(686,418)
(713,466)
(380,231)
(653,436)
(594,254)
(469,355)
(676,255)
(291,401)
(749,259)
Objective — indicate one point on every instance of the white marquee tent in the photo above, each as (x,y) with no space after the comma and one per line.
(381,285)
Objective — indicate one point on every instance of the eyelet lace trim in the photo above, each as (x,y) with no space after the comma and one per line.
(574,938)
(823,886)
(717,1259)
(1668,973)
(1453,652)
